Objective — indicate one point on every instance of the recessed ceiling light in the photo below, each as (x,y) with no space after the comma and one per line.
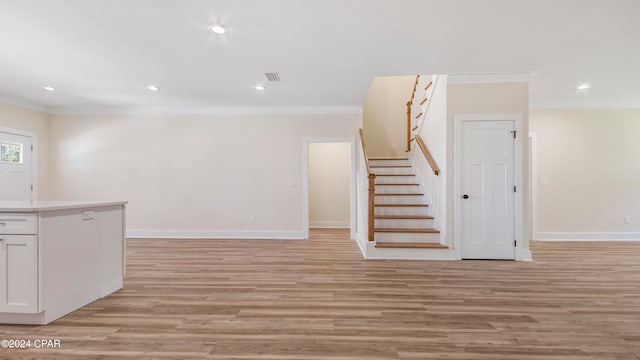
(153,88)
(259,87)
(218,29)
(583,87)
(49,88)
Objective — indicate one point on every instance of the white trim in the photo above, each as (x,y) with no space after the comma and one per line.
(361,240)
(305,180)
(214,234)
(34,156)
(5,99)
(582,105)
(533,183)
(209,110)
(521,252)
(588,236)
(330,224)
(456,79)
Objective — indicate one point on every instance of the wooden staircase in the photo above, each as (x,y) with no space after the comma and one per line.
(401,216)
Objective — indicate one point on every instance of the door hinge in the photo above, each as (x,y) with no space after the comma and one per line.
(31,147)
(515,243)
(31,187)
(514,133)
(514,188)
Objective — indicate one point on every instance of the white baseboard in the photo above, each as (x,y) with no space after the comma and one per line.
(214,234)
(587,236)
(330,224)
(361,240)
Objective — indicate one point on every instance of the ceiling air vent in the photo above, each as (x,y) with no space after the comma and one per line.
(272,76)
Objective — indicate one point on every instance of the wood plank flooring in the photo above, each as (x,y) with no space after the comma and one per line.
(318,299)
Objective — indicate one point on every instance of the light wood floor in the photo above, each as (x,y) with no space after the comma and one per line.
(257,299)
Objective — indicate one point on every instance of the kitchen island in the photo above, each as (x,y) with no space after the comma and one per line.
(56,257)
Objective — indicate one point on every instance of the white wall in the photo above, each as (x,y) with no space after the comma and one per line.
(385,115)
(18,118)
(591,161)
(434,133)
(329,185)
(488,98)
(195,175)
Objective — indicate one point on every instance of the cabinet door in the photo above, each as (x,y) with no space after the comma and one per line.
(18,274)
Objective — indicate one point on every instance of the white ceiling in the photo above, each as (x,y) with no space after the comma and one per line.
(102,54)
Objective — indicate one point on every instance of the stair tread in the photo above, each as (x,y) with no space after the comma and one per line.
(398,245)
(410,231)
(391,158)
(397,184)
(415,194)
(409,205)
(390,166)
(395,174)
(404,217)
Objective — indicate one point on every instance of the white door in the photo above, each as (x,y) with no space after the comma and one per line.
(16,167)
(488,190)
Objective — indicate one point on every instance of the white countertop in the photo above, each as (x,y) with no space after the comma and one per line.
(41,206)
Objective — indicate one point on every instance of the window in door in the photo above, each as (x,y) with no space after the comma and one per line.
(11,153)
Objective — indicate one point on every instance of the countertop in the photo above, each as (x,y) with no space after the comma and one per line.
(42,206)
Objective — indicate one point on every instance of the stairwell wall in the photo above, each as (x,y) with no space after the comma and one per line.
(385,115)
(434,133)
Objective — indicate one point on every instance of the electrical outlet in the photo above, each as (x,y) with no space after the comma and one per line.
(293,183)
(88,215)
(627,219)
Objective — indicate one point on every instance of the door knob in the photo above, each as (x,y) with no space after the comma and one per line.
(465,196)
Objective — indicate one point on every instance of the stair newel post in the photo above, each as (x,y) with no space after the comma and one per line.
(408,126)
(372,200)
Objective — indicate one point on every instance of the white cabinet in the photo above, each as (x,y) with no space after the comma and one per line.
(18,263)
(56,257)
(18,274)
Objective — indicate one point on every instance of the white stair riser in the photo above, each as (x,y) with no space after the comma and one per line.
(402,210)
(399,189)
(389,162)
(392,170)
(408,237)
(400,200)
(404,224)
(395,179)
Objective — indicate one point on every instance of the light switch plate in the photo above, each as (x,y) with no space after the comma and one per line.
(88,215)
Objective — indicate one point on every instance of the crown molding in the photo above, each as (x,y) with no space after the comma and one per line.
(490,78)
(207,110)
(10,100)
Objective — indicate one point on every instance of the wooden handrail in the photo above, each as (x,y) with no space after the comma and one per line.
(409,103)
(427,155)
(371,189)
(364,151)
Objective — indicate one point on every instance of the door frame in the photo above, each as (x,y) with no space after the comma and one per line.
(305,180)
(34,156)
(522,245)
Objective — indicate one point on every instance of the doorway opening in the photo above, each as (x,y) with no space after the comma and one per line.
(329,185)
